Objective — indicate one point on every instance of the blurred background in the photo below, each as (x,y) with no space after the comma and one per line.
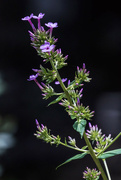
(89,32)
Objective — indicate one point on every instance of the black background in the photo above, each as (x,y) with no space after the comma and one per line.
(89,32)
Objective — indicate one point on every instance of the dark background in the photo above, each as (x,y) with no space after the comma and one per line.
(90,32)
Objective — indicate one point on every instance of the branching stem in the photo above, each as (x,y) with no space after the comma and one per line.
(75,148)
(95,159)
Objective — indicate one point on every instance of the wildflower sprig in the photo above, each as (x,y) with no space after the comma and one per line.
(44,43)
(91,174)
(44,134)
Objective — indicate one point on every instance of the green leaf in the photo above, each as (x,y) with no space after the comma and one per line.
(78,156)
(110,154)
(79,126)
(84,147)
(72,117)
(56,100)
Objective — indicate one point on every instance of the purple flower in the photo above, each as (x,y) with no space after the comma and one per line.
(51,26)
(28,18)
(63,80)
(47,47)
(33,77)
(40,16)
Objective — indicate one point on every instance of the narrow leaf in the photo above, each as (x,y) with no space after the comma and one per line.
(110,154)
(56,100)
(79,126)
(84,147)
(78,156)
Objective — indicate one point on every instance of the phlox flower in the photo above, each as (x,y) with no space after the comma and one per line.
(40,16)
(51,26)
(47,47)
(63,80)
(33,77)
(28,18)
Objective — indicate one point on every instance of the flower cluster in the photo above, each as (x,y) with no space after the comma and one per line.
(82,75)
(44,134)
(43,41)
(91,174)
(95,135)
(77,110)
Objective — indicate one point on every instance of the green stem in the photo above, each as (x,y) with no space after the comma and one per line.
(61,83)
(75,148)
(97,162)
(107,170)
